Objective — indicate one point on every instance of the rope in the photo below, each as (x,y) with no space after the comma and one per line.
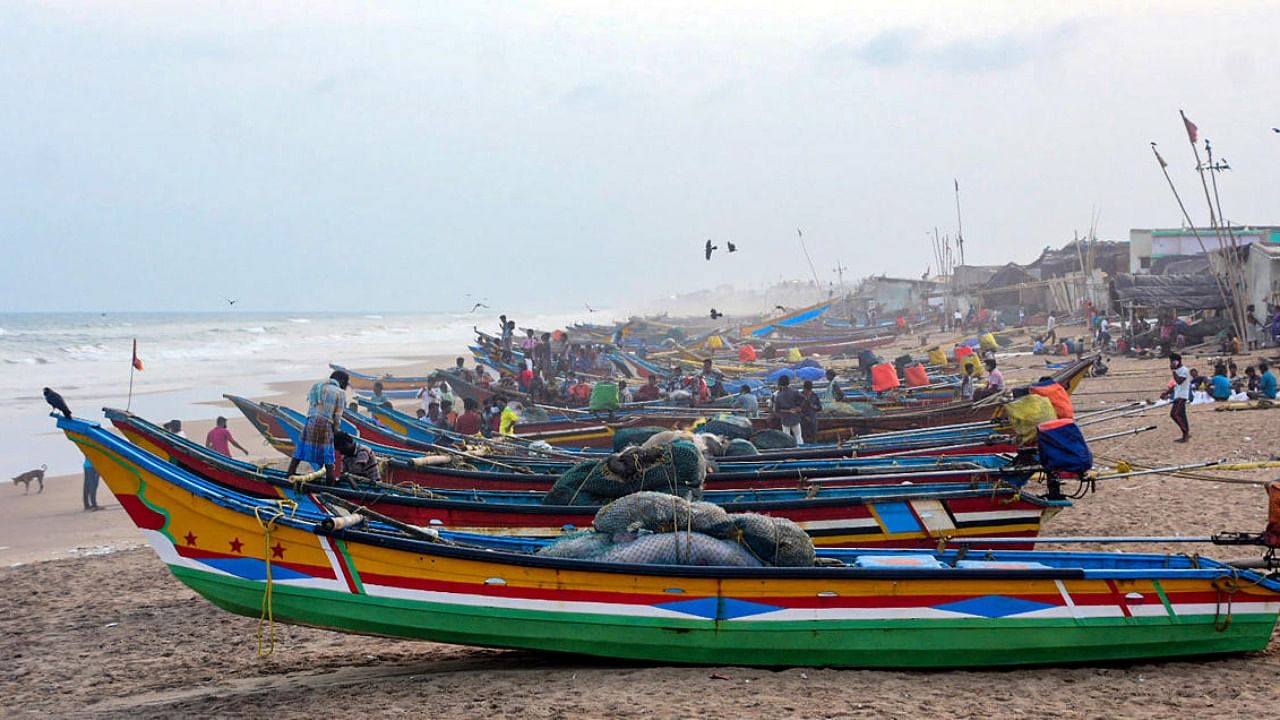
(268,524)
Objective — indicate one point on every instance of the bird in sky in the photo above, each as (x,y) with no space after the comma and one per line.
(716,315)
(779,307)
(56,402)
(230,301)
(479,305)
(709,248)
(1275,130)
(589,308)
(732,247)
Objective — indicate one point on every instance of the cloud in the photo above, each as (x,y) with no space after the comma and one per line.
(908,46)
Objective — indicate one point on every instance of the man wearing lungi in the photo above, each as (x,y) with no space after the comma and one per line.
(324,412)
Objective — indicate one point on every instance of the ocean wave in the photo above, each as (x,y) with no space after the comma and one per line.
(255,330)
(373,317)
(300,321)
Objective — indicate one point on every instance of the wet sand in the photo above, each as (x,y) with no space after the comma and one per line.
(116,636)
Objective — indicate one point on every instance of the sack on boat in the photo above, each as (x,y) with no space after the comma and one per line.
(972,361)
(916,375)
(1026,413)
(604,396)
(1063,447)
(730,426)
(680,548)
(987,341)
(626,437)
(773,440)
(937,356)
(678,468)
(1057,395)
(739,447)
(884,377)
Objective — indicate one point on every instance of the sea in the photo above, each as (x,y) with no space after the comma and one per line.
(191,359)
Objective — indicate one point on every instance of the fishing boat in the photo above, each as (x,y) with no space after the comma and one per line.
(896,609)
(463,471)
(392,386)
(867,514)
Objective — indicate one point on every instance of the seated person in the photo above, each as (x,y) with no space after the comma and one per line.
(358,461)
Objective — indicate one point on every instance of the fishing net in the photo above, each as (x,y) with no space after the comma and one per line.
(773,440)
(770,540)
(678,469)
(680,548)
(650,511)
(738,447)
(773,540)
(848,409)
(734,428)
(585,544)
(627,437)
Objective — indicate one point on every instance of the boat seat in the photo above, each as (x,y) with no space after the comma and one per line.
(896,561)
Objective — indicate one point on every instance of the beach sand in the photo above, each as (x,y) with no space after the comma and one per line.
(116,636)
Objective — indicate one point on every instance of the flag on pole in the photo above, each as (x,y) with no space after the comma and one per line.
(1159,159)
(957,180)
(137,361)
(1192,131)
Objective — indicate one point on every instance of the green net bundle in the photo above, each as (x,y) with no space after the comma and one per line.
(771,439)
(730,426)
(677,468)
(661,529)
(626,437)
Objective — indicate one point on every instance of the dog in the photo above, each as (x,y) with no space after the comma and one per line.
(29,476)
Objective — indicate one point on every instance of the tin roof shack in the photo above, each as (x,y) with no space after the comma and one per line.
(1262,273)
(1160,299)
(891,295)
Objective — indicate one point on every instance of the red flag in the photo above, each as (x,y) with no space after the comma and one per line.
(137,361)
(1192,131)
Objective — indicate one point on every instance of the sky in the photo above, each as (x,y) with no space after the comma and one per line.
(327,155)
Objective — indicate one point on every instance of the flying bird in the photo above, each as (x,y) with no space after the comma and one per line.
(732,247)
(230,301)
(478,305)
(1275,130)
(779,307)
(716,315)
(55,400)
(708,248)
(588,307)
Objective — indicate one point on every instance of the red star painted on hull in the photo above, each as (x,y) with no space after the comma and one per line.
(236,545)
(190,537)
(277,551)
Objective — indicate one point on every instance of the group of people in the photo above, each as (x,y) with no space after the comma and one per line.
(1257,383)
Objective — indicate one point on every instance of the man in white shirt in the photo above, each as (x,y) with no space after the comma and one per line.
(1181,395)
(1051,334)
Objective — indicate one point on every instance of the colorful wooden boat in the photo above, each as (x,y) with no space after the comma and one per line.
(525,474)
(877,609)
(875,513)
(390,383)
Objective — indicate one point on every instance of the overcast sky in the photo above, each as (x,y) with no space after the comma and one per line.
(341,156)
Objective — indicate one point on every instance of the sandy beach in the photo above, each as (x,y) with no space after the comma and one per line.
(98,628)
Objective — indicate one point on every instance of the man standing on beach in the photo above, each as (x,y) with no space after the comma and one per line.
(90,486)
(1051,330)
(220,440)
(324,411)
(1181,395)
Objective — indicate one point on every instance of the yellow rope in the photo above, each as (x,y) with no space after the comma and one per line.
(268,525)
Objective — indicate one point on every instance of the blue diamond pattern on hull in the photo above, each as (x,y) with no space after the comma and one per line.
(715,609)
(994,606)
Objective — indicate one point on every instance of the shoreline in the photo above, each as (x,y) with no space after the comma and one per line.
(29,524)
